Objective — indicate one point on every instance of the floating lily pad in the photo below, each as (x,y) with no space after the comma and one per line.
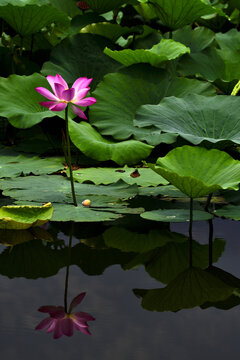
(191,288)
(57,189)
(20,90)
(195,118)
(178,14)
(23,217)
(229,212)
(175,215)
(165,191)
(12,164)
(139,176)
(166,50)
(93,145)
(114,112)
(197,171)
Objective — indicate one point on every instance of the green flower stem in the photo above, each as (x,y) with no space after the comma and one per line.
(67,269)
(190,232)
(68,158)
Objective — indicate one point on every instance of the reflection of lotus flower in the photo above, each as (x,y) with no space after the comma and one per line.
(63,95)
(63,323)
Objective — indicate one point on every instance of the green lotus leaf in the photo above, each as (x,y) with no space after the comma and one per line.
(103,6)
(28,17)
(197,171)
(175,215)
(86,60)
(229,212)
(12,164)
(229,44)
(19,101)
(166,50)
(23,217)
(139,176)
(67,6)
(66,212)
(178,14)
(165,191)
(108,30)
(114,112)
(129,241)
(177,254)
(93,145)
(207,64)
(57,189)
(191,288)
(196,39)
(195,118)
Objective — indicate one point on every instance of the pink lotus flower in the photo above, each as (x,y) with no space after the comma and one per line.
(63,95)
(62,323)
(82,5)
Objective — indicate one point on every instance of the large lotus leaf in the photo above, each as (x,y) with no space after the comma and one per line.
(23,217)
(230,53)
(176,14)
(13,164)
(68,6)
(31,260)
(119,95)
(108,30)
(197,171)
(93,145)
(175,215)
(191,288)
(139,176)
(57,189)
(207,64)
(196,39)
(19,101)
(166,50)
(103,6)
(28,17)
(129,241)
(79,56)
(195,118)
(177,254)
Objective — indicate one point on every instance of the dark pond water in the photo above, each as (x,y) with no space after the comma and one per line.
(33,275)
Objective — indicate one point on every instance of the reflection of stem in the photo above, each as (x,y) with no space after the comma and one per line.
(210,242)
(208,201)
(68,265)
(190,232)
(68,158)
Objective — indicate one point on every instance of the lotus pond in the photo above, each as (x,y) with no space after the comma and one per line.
(119,179)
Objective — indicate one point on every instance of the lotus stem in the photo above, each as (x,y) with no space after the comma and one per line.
(210,242)
(68,158)
(190,232)
(208,202)
(68,266)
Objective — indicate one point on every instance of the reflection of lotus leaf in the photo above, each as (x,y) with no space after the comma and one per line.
(191,288)
(197,171)
(23,217)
